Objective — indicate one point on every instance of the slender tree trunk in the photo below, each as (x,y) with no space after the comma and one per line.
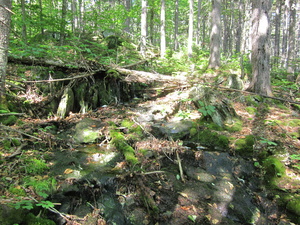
(277,31)
(41,16)
(260,56)
(191,29)
(215,35)
(24,27)
(176,42)
(143,28)
(198,22)
(5,19)
(285,34)
(127,4)
(162,29)
(291,38)
(63,21)
(239,30)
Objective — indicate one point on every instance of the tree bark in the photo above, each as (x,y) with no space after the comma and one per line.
(176,42)
(191,30)
(260,56)
(215,36)
(5,19)
(143,28)
(291,38)
(163,29)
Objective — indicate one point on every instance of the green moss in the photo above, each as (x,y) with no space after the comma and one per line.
(251,110)
(6,144)
(273,167)
(132,127)
(193,131)
(244,146)
(120,142)
(294,205)
(16,191)
(211,139)
(36,220)
(36,166)
(235,127)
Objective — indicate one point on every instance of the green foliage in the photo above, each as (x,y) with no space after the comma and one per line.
(42,186)
(36,166)
(296,157)
(31,219)
(206,110)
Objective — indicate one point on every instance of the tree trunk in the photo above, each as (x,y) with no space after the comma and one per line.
(291,38)
(260,56)
(143,28)
(198,23)
(63,21)
(176,42)
(24,27)
(277,31)
(191,24)
(162,29)
(5,19)
(215,35)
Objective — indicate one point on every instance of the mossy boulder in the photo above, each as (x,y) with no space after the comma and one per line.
(211,139)
(87,131)
(244,146)
(213,105)
(273,167)
(294,207)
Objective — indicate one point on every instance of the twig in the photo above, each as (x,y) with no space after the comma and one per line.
(11,114)
(180,167)
(17,152)
(11,129)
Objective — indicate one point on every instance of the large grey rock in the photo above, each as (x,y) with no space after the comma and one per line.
(205,97)
(87,131)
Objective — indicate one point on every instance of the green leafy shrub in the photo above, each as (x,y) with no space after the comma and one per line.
(36,166)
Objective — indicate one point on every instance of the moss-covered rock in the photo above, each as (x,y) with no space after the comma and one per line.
(211,140)
(273,167)
(236,126)
(294,205)
(119,141)
(244,146)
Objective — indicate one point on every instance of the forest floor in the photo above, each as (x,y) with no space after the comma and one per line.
(158,193)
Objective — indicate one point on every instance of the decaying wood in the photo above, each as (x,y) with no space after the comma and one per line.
(91,69)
